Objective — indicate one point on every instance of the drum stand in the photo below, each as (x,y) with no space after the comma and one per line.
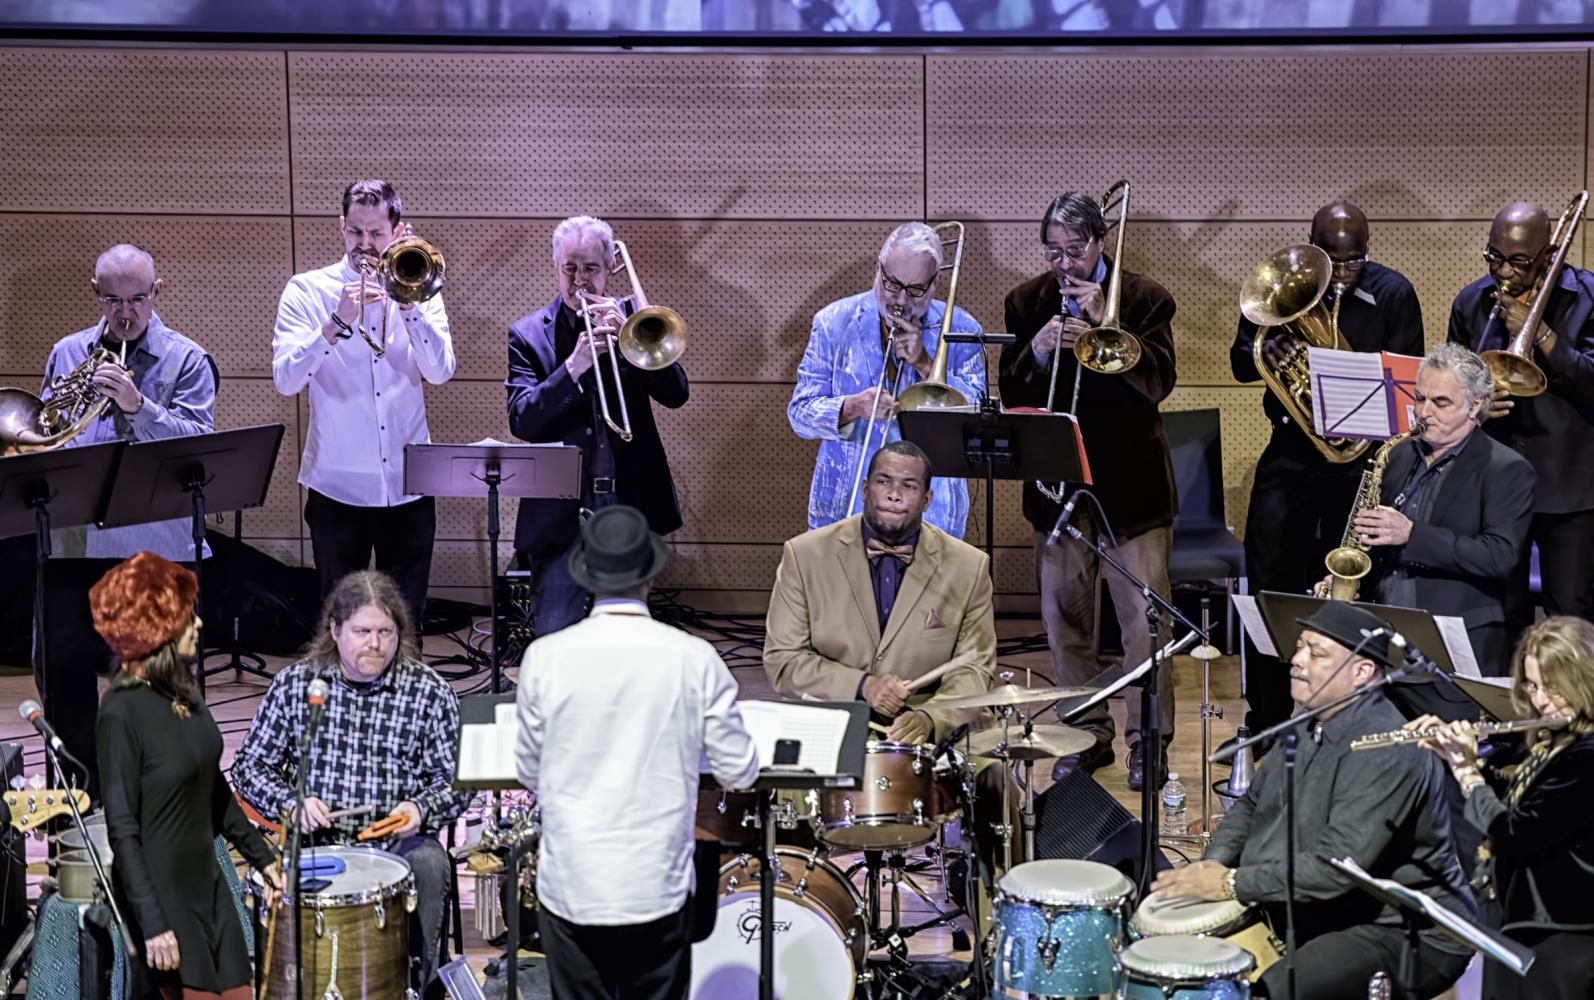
(1200,830)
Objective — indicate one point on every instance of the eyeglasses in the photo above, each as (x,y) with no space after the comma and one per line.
(1350,263)
(896,287)
(1532,689)
(1077,252)
(1518,262)
(138,301)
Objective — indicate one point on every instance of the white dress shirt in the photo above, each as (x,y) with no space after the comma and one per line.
(363,409)
(616,715)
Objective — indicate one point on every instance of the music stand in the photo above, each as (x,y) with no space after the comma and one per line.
(490,469)
(63,487)
(992,443)
(173,477)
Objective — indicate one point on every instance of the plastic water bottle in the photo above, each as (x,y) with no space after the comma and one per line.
(1173,821)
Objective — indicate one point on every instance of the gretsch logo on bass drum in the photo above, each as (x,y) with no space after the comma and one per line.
(748,925)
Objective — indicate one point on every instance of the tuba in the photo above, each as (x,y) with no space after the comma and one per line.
(1283,296)
(1351,561)
(1513,369)
(651,338)
(29,424)
(410,271)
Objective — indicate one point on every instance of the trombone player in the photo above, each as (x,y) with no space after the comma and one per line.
(1554,430)
(863,352)
(1300,496)
(364,357)
(1128,450)
(564,387)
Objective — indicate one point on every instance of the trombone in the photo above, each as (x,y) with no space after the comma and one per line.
(1106,348)
(1513,369)
(934,393)
(410,270)
(651,338)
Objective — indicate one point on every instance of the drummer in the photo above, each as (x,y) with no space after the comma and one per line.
(384,748)
(885,608)
(1385,809)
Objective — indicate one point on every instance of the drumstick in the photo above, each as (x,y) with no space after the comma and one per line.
(271,919)
(877,727)
(352,811)
(932,676)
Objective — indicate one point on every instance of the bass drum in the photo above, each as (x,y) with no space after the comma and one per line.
(820,938)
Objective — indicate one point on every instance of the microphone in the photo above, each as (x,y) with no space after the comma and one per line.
(1062,519)
(318,696)
(945,746)
(34,715)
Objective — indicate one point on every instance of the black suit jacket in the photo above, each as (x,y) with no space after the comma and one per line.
(1553,431)
(1118,418)
(1463,556)
(547,407)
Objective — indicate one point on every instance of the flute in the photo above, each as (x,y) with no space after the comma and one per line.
(1401,737)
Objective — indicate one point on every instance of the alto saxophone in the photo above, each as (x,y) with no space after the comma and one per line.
(1351,561)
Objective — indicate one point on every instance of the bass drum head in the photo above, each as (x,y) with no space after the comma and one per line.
(812,962)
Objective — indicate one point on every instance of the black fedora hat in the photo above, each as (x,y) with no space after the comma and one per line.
(1350,626)
(618,551)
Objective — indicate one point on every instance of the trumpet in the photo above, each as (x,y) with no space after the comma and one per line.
(1513,369)
(410,270)
(934,393)
(651,338)
(1405,737)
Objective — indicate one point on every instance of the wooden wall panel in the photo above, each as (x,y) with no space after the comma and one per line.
(222,276)
(1254,135)
(662,135)
(247,402)
(116,130)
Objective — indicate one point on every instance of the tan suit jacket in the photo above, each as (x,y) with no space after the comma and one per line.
(823,634)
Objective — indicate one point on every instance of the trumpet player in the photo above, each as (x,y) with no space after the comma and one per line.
(1454,509)
(1554,431)
(862,351)
(1128,452)
(160,385)
(557,357)
(1299,497)
(366,399)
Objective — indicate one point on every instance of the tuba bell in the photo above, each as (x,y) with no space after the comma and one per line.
(1283,295)
(29,424)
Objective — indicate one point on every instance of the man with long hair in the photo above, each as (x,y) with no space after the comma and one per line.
(386,741)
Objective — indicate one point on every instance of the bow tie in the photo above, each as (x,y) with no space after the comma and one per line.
(876,548)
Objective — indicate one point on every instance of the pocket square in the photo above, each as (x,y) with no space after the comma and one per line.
(933,620)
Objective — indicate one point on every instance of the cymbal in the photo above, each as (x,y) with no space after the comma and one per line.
(1043,741)
(1011,694)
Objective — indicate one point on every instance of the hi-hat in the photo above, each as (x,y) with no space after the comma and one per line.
(1042,742)
(1011,694)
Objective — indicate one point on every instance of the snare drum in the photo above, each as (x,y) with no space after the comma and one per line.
(820,938)
(892,806)
(1185,967)
(1059,925)
(356,930)
(1226,919)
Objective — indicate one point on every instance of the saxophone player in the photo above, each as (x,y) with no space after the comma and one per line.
(1299,498)
(1454,511)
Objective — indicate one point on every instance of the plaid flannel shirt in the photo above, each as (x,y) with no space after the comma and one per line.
(379,744)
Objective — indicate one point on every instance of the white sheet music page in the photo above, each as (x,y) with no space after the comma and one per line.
(819,731)
(1255,625)
(1349,395)
(487,751)
(1454,633)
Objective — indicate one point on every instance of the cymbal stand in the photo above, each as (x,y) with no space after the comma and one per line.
(1005,828)
(1200,830)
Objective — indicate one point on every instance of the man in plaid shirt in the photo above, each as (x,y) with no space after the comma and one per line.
(386,740)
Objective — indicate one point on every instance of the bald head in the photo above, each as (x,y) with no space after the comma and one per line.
(126,288)
(125,259)
(1340,229)
(1517,240)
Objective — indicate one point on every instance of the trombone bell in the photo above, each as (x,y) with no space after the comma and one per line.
(653,338)
(1108,350)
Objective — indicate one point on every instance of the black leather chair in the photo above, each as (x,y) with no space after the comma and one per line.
(1205,552)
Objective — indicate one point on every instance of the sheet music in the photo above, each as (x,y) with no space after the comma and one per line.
(820,732)
(1454,633)
(1349,398)
(487,752)
(1255,625)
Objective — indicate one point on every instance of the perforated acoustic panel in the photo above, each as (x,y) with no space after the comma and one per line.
(118,130)
(248,402)
(710,136)
(224,302)
(1414,135)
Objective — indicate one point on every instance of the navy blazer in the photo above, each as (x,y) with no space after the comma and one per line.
(546,406)
(1463,556)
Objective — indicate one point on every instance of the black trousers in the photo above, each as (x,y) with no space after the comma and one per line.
(1300,503)
(1566,570)
(1562,970)
(651,961)
(1337,966)
(344,537)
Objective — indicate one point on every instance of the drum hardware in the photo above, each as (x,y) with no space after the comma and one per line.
(1200,828)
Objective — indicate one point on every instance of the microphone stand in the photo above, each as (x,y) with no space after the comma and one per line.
(102,879)
(295,819)
(1289,729)
(1150,703)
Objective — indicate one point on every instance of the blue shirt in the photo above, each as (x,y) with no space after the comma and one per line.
(178,381)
